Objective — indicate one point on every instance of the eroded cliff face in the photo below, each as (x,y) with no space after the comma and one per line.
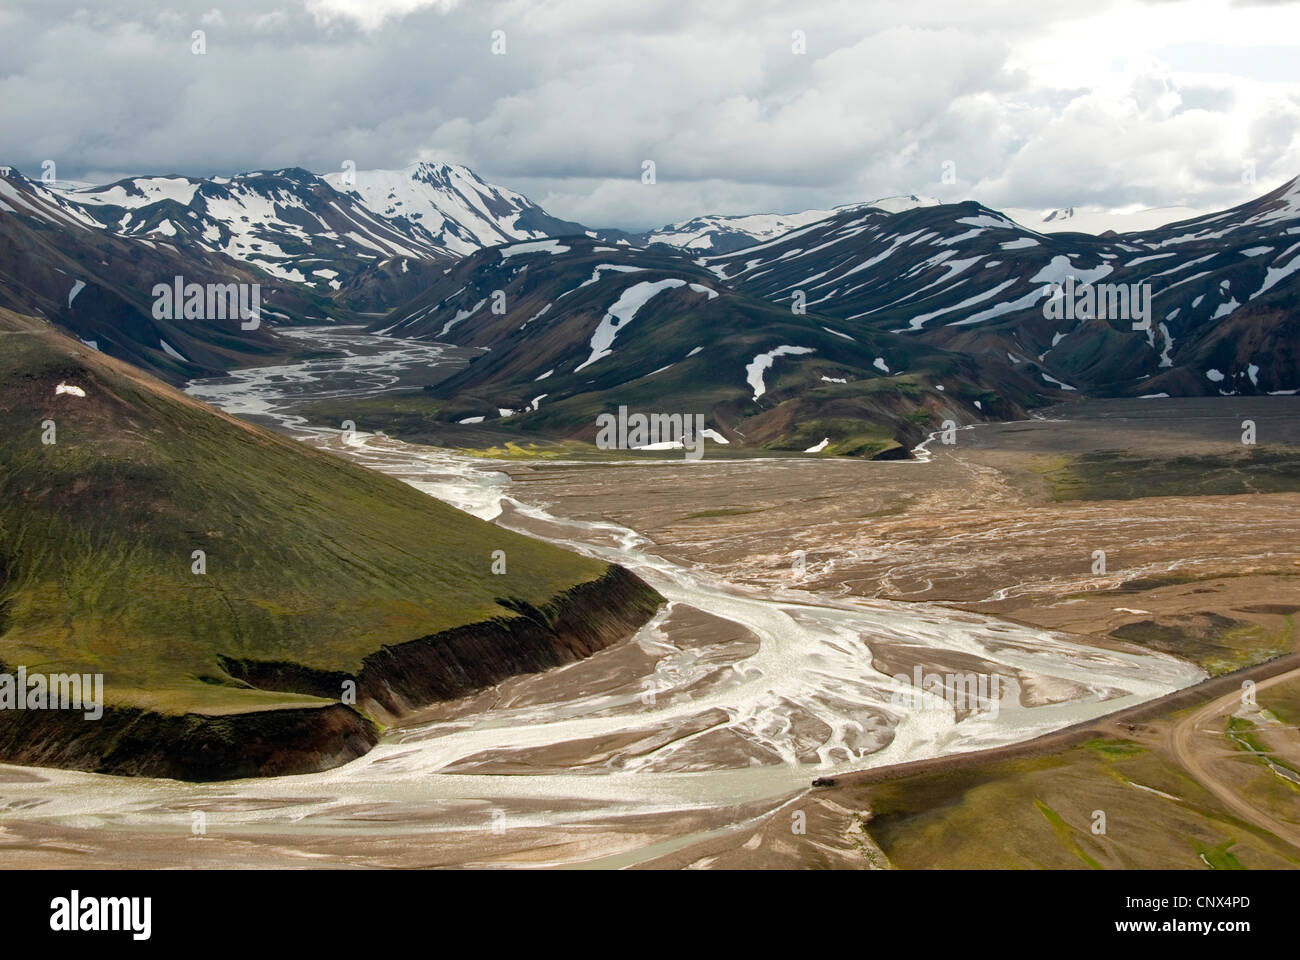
(393,682)
(401,678)
(135,742)
(448,665)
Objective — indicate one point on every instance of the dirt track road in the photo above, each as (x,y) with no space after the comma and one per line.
(1181,746)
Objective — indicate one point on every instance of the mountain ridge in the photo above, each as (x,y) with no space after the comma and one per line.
(961,277)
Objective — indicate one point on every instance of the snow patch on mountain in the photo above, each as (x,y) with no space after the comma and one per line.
(600,268)
(1096,220)
(621,314)
(140,192)
(535,246)
(755,368)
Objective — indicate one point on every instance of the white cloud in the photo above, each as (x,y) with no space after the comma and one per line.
(371,14)
(1113,104)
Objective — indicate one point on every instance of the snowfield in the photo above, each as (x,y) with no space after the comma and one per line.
(624,310)
(755,368)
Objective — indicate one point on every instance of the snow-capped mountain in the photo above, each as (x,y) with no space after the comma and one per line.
(960,277)
(1223,290)
(31,198)
(723,234)
(1096,220)
(455,207)
(583,326)
(334,233)
(897,204)
(717,234)
(290,223)
(948,298)
(60,263)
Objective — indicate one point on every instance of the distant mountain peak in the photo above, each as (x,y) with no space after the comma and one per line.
(461,211)
(899,204)
(717,234)
(1065,213)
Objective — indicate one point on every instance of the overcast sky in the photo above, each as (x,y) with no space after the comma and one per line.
(1034,103)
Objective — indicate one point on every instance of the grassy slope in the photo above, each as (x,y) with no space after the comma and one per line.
(1043,808)
(309,560)
(1157,814)
(1128,475)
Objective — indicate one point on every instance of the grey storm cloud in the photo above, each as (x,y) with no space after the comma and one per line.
(885,100)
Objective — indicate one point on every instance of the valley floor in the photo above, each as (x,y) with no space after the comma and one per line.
(582,766)
(1198,564)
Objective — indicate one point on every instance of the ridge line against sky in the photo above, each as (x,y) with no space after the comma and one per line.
(1117,104)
